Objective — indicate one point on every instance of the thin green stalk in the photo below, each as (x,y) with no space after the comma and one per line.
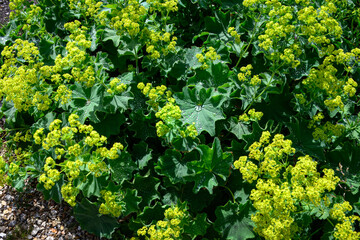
(231,193)
(247,47)
(137,63)
(262,92)
(241,53)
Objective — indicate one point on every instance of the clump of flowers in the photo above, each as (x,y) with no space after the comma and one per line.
(282,189)
(327,132)
(209,56)
(344,228)
(252,115)
(166,109)
(17,80)
(234,34)
(116,86)
(245,76)
(79,151)
(129,19)
(169,228)
(89,8)
(112,204)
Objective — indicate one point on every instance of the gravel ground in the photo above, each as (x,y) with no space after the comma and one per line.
(4,11)
(27,215)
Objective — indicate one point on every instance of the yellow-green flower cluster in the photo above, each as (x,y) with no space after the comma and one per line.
(112,205)
(289,58)
(234,34)
(159,42)
(166,109)
(169,112)
(344,229)
(335,103)
(250,3)
(67,144)
(274,205)
(41,101)
(350,87)
(324,78)
(169,228)
(17,83)
(190,131)
(32,16)
(69,193)
(268,156)
(14,168)
(17,7)
(155,94)
(2,171)
(245,72)
(87,76)
(161,129)
(282,190)
(24,138)
(278,27)
(252,115)
(89,8)
(97,168)
(74,59)
(300,97)
(72,168)
(316,119)
(317,24)
(116,86)
(163,6)
(94,139)
(209,56)
(328,132)
(63,93)
(111,153)
(129,19)
(51,174)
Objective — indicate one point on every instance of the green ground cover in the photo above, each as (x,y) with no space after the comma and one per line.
(175,119)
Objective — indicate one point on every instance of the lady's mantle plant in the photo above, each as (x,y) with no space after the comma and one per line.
(174,119)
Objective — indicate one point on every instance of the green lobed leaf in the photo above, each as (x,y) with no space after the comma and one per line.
(142,154)
(87,101)
(122,167)
(303,141)
(141,126)
(198,226)
(88,216)
(346,160)
(233,222)
(147,188)
(110,125)
(132,201)
(238,128)
(213,162)
(149,215)
(172,166)
(202,107)
(92,185)
(110,34)
(215,76)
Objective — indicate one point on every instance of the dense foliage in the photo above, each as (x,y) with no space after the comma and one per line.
(179,119)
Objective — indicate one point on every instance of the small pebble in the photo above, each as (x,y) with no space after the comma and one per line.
(45,220)
(35,230)
(12,223)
